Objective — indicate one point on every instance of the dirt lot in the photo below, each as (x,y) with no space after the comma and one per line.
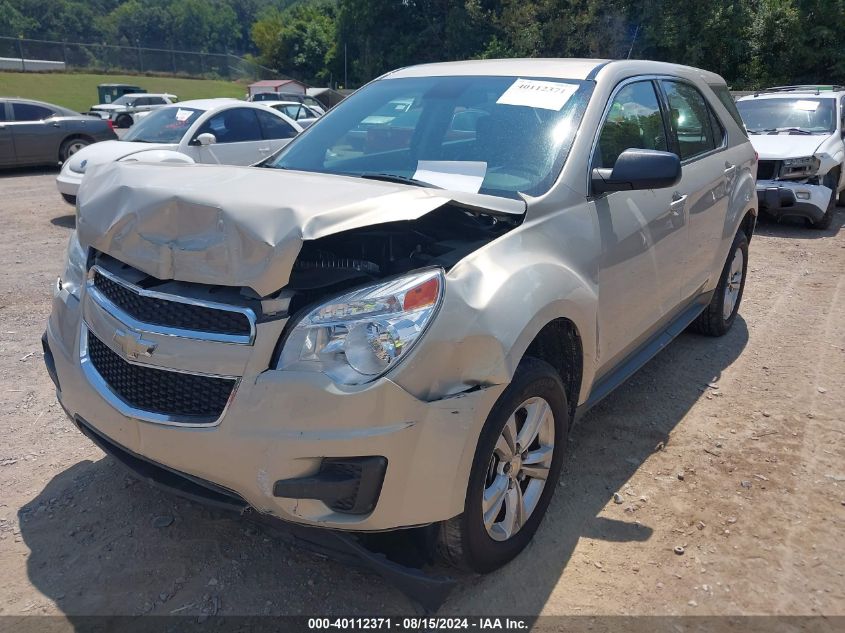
(733,449)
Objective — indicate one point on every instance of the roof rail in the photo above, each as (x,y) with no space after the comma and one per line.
(817,88)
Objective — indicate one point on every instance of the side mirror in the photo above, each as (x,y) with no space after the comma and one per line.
(637,169)
(207,139)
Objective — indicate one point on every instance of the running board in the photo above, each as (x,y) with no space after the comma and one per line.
(628,367)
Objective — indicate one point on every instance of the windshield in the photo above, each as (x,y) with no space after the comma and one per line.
(493,135)
(165,125)
(812,116)
(124,100)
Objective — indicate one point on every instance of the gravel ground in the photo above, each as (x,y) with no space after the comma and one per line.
(731,449)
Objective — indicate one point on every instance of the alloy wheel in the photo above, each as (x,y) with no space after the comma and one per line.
(518,469)
(734,284)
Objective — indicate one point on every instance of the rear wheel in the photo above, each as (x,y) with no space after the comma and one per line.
(69,198)
(514,473)
(719,315)
(123,121)
(71,146)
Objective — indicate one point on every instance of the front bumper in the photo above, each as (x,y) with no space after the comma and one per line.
(783,198)
(280,425)
(67,182)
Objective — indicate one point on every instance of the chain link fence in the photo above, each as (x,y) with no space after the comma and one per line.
(31,55)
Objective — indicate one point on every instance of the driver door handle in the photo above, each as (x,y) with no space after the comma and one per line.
(678,202)
(729,168)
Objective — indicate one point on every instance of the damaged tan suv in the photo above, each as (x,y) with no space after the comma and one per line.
(396,320)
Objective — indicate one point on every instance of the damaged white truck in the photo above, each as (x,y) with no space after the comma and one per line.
(798,133)
(394,323)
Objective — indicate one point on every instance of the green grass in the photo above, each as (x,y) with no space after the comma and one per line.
(79,91)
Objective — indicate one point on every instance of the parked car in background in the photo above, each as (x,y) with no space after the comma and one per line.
(122,110)
(374,340)
(224,131)
(798,133)
(38,133)
(299,112)
(290,96)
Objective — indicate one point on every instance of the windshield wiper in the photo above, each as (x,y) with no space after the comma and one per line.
(405,180)
(798,130)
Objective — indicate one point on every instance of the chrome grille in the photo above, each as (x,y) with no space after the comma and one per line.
(180,397)
(158,309)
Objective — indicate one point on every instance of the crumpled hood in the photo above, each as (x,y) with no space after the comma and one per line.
(108,152)
(239,226)
(780,146)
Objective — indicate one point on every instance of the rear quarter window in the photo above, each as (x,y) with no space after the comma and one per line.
(724,95)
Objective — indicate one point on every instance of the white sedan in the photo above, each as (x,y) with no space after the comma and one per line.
(216,131)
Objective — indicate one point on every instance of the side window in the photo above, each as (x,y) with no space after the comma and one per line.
(274,127)
(2,110)
(141,101)
(30,112)
(155,101)
(724,95)
(633,121)
(233,126)
(717,128)
(690,119)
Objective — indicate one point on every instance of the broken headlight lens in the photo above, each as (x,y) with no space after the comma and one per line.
(74,275)
(799,167)
(357,337)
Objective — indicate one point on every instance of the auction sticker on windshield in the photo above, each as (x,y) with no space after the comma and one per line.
(457,175)
(183,115)
(549,95)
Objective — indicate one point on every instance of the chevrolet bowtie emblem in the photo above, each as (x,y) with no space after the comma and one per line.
(133,345)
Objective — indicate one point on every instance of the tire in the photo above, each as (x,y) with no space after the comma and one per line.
(718,317)
(123,121)
(70,146)
(831,180)
(69,198)
(466,541)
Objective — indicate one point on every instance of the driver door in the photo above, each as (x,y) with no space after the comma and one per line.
(643,233)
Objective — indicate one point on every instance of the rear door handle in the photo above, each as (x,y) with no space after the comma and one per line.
(729,169)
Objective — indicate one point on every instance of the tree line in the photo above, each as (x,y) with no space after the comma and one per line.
(752,43)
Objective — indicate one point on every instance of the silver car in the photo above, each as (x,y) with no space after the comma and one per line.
(38,133)
(401,332)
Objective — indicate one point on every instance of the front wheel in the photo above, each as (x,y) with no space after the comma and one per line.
(718,317)
(514,473)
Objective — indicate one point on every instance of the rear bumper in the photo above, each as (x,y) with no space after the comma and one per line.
(780,199)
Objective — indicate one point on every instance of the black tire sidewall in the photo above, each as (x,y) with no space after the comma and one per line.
(121,121)
(532,378)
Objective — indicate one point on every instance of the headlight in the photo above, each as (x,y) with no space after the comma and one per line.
(74,275)
(357,337)
(799,167)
